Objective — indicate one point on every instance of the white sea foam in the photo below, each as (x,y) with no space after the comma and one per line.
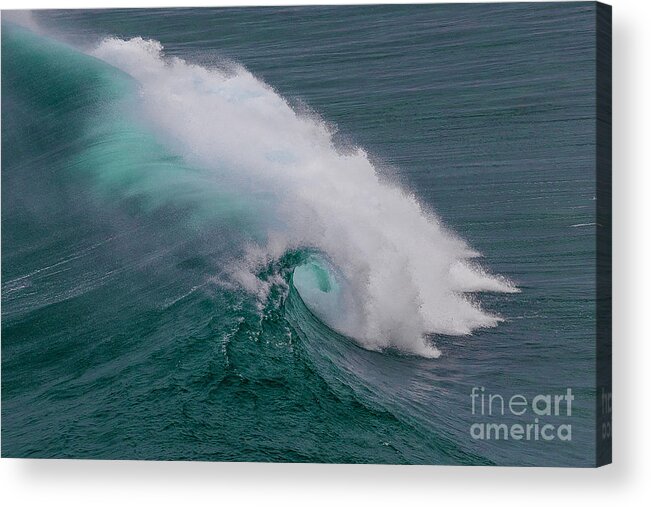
(405,275)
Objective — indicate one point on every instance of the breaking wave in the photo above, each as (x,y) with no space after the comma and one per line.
(387,272)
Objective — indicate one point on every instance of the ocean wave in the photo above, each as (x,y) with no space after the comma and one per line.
(403,275)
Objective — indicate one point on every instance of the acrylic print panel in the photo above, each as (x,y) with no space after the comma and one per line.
(361,234)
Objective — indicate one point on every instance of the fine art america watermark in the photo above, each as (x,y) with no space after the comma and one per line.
(538,417)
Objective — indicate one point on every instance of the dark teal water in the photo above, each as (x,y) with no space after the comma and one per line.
(124,334)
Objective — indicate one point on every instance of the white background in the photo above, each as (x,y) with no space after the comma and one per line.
(626,482)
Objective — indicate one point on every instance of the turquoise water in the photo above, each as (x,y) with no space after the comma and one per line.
(200,263)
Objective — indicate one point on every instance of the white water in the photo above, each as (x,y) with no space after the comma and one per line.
(405,275)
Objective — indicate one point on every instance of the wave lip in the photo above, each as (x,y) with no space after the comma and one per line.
(400,274)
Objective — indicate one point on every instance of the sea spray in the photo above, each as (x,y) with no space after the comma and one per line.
(405,275)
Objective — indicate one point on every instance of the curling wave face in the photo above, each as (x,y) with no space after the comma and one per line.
(400,275)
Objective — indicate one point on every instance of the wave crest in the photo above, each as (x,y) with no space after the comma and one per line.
(401,275)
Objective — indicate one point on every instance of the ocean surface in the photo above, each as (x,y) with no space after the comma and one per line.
(297,234)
